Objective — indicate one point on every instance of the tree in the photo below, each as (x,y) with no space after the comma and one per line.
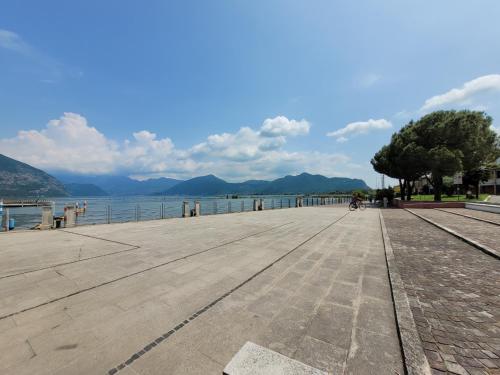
(403,159)
(439,144)
(456,141)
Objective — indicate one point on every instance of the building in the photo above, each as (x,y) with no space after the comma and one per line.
(492,185)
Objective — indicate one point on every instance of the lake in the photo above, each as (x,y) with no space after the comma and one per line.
(138,208)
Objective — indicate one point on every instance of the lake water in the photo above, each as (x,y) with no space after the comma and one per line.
(138,208)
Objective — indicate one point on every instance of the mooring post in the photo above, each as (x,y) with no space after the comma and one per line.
(5,220)
(185,209)
(69,216)
(255,205)
(47,217)
(197,208)
(261,205)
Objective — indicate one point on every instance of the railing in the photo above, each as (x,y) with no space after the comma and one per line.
(119,210)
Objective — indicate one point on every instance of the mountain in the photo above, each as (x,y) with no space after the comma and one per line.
(308,183)
(122,185)
(302,184)
(20,180)
(84,190)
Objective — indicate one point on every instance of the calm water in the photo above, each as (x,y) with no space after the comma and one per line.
(135,208)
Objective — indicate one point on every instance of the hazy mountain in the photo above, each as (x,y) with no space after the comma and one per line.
(84,190)
(301,184)
(20,180)
(308,183)
(122,185)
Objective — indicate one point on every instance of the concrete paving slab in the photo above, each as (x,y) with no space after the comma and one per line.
(255,359)
(274,277)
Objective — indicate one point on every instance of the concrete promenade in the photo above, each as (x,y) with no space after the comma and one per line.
(181,296)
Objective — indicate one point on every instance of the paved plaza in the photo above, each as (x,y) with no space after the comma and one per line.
(182,296)
(453,289)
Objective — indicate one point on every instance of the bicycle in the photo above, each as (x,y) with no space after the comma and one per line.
(353,206)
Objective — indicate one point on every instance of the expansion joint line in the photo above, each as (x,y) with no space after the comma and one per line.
(140,272)
(175,329)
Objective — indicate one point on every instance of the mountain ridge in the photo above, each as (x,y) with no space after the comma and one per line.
(304,183)
(18,179)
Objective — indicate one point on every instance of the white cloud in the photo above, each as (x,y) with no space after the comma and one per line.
(281,126)
(465,94)
(71,144)
(12,41)
(360,127)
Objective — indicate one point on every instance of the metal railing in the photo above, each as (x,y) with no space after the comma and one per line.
(119,211)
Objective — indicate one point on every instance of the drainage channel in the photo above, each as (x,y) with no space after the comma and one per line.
(182,324)
(142,271)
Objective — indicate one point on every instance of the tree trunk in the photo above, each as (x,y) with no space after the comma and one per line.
(409,191)
(402,190)
(437,182)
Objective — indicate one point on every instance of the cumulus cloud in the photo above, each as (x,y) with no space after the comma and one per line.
(281,126)
(71,144)
(464,94)
(359,127)
(67,143)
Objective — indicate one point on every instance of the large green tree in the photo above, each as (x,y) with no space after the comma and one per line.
(455,141)
(402,159)
(440,144)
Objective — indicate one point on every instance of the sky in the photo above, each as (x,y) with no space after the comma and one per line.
(240,89)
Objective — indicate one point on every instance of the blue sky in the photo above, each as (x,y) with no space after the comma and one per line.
(241,89)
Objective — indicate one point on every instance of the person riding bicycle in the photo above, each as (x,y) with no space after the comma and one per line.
(356,199)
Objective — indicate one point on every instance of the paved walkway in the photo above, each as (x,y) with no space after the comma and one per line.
(491,216)
(454,293)
(481,232)
(183,295)
(495,199)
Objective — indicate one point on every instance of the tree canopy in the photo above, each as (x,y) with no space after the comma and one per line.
(439,144)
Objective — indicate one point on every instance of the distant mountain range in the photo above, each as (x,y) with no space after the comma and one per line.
(304,183)
(18,179)
(121,185)
(22,180)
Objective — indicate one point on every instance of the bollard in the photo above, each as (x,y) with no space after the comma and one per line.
(69,216)
(242,206)
(47,217)
(255,205)
(185,209)
(261,205)
(228,207)
(385,202)
(5,220)
(197,208)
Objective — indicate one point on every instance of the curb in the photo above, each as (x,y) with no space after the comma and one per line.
(485,249)
(414,358)
(469,216)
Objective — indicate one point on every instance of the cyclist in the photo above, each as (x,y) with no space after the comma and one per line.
(355,199)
